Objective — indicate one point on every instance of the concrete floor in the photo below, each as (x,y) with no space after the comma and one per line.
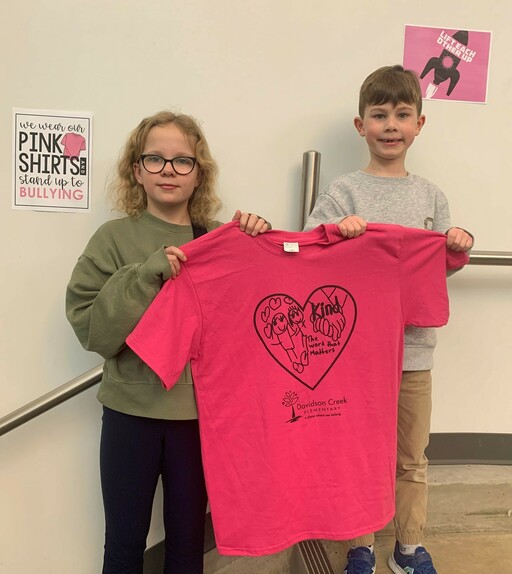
(469,529)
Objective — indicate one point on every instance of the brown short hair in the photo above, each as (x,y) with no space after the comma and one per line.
(129,196)
(390,84)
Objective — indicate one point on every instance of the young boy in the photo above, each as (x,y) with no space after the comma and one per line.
(385,192)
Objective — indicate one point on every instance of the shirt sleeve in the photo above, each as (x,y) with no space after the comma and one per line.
(167,336)
(104,302)
(424,259)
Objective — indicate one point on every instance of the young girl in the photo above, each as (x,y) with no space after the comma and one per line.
(165,183)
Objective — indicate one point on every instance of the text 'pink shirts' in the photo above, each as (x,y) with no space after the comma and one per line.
(295,342)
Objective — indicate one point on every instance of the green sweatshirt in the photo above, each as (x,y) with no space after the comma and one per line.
(118,275)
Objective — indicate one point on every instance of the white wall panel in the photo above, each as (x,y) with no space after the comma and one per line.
(269,80)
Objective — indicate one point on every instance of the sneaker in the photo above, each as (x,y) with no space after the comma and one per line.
(360,560)
(418,563)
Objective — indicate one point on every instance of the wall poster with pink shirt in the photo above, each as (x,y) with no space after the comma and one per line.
(52,160)
(452,64)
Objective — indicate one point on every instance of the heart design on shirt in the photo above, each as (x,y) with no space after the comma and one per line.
(306,340)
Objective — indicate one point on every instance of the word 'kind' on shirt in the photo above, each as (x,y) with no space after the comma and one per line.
(295,342)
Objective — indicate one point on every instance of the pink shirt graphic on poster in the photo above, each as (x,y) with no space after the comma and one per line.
(452,64)
(73,144)
(295,342)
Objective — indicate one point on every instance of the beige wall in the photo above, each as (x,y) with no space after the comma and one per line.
(269,80)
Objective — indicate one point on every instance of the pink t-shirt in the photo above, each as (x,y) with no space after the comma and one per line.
(74,144)
(296,358)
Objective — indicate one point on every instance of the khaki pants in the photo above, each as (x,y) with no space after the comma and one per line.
(414,409)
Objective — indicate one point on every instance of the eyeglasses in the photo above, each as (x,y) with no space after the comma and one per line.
(155,163)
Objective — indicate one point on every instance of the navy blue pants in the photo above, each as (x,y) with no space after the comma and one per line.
(134,452)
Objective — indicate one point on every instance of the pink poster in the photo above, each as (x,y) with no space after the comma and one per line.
(452,64)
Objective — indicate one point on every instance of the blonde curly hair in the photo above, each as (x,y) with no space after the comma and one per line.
(129,196)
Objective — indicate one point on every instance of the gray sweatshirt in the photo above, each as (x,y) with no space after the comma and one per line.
(410,201)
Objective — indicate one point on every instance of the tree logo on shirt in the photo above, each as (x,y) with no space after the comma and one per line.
(289,400)
(306,340)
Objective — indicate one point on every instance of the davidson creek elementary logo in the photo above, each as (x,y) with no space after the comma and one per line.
(331,407)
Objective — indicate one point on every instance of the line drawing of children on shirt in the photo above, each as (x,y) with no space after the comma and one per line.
(280,328)
(306,339)
(297,326)
(286,331)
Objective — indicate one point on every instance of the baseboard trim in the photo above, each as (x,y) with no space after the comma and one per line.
(470,448)
(154,559)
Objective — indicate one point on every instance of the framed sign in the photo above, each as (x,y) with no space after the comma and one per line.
(52,160)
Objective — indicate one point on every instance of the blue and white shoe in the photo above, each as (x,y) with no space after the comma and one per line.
(360,560)
(418,563)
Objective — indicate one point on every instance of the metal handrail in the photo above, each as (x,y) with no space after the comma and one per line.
(50,400)
(310,180)
(490,258)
